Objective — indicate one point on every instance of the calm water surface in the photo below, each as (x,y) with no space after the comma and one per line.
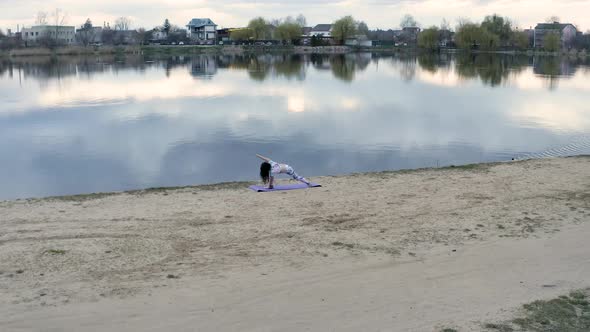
(81,125)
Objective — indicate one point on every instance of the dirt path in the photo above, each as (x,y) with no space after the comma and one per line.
(377,248)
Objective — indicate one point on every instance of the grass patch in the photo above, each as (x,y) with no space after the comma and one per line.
(569,313)
(56,252)
(72,51)
(180,50)
(499,327)
(163,190)
(448,330)
(342,244)
(224,186)
(80,198)
(484,167)
(466,167)
(204,187)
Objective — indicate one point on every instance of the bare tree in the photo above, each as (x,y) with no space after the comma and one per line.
(445,25)
(123,23)
(87,34)
(51,36)
(301,20)
(275,21)
(408,21)
(166,27)
(59,18)
(142,36)
(41,18)
(552,19)
(462,21)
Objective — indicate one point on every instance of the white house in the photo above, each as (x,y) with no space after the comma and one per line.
(322,30)
(202,30)
(358,40)
(61,34)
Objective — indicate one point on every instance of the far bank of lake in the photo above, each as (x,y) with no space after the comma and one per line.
(273,49)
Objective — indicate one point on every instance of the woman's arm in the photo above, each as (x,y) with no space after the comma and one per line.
(271,182)
(263,158)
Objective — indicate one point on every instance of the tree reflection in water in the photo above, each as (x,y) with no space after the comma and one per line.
(492,69)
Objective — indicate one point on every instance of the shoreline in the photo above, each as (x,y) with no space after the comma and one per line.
(241,184)
(249,49)
(459,246)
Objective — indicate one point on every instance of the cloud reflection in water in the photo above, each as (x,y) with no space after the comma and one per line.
(77,125)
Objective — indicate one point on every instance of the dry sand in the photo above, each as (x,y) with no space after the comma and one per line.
(397,251)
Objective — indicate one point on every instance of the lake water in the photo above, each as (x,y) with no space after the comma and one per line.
(82,125)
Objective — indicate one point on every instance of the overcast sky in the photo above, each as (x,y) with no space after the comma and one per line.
(231,13)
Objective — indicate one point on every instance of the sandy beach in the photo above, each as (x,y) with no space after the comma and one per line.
(419,250)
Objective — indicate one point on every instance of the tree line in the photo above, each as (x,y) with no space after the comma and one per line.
(287,29)
(290,30)
(496,32)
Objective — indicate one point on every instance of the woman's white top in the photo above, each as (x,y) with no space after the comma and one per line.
(275,168)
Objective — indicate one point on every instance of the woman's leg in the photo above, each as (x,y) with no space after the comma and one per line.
(295,176)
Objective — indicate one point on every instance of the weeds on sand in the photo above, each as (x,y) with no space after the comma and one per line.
(56,251)
(79,198)
(162,190)
(341,244)
(499,327)
(563,314)
(476,168)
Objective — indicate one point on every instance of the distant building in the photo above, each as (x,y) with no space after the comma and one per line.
(223,35)
(89,36)
(412,30)
(60,34)
(202,30)
(12,39)
(358,40)
(322,30)
(410,34)
(120,37)
(306,35)
(446,38)
(159,35)
(126,37)
(271,30)
(531,33)
(566,31)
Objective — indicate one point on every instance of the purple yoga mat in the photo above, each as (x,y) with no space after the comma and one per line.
(282,187)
